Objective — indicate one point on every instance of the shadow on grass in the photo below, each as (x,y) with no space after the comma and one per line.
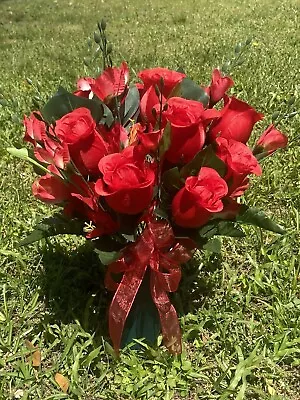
(200,279)
(73,287)
(72,284)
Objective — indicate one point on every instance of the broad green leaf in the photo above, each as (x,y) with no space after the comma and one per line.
(23,153)
(107,257)
(161,213)
(107,243)
(205,158)
(221,228)
(131,106)
(256,217)
(213,245)
(64,102)
(172,181)
(192,91)
(165,140)
(52,226)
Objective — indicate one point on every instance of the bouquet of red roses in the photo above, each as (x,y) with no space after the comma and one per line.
(149,172)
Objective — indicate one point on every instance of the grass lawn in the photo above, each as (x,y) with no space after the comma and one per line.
(239,311)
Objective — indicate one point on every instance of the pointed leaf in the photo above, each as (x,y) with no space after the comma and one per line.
(172,181)
(221,228)
(205,158)
(165,140)
(192,91)
(131,106)
(213,246)
(107,257)
(24,154)
(64,102)
(256,217)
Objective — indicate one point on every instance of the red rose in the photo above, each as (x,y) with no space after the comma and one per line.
(150,105)
(86,146)
(193,205)
(270,141)
(127,182)
(111,83)
(187,119)
(238,157)
(51,189)
(236,122)
(218,87)
(151,77)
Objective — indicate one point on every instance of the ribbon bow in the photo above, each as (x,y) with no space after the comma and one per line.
(155,249)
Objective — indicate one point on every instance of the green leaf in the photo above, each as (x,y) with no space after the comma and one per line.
(23,154)
(107,257)
(161,213)
(64,102)
(213,246)
(205,158)
(131,106)
(143,319)
(192,91)
(256,217)
(221,228)
(172,180)
(165,140)
(107,243)
(52,226)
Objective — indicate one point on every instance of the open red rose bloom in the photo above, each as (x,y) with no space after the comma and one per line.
(154,168)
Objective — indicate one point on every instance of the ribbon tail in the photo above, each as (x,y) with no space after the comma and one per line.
(168,317)
(122,303)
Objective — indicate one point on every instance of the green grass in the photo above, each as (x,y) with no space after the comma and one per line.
(239,311)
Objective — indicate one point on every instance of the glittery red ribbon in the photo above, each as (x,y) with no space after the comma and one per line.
(154,249)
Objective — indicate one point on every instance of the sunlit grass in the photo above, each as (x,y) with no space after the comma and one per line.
(240,311)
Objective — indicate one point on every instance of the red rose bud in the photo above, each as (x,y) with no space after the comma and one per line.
(238,157)
(218,87)
(127,182)
(35,129)
(270,141)
(236,122)
(187,129)
(111,83)
(86,146)
(164,78)
(150,105)
(51,189)
(193,205)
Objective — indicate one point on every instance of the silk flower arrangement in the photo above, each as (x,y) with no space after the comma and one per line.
(149,172)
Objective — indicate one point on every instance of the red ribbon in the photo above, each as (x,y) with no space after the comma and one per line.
(154,249)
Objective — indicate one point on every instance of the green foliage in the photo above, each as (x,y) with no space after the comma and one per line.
(131,106)
(64,102)
(192,91)
(205,158)
(253,216)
